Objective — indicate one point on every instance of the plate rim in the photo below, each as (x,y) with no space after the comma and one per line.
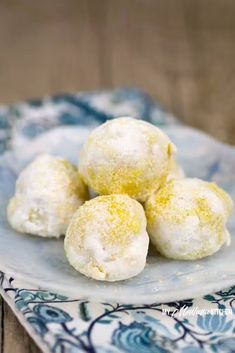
(169,296)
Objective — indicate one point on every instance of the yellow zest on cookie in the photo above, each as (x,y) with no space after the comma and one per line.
(187,218)
(102,235)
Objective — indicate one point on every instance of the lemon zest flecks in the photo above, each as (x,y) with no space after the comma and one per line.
(123,223)
(123,180)
(161,206)
(222,195)
(213,220)
(159,202)
(115,220)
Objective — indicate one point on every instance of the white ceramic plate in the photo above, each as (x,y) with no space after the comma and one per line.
(59,125)
(43,263)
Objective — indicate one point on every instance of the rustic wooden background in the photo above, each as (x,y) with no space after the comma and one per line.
(182,52)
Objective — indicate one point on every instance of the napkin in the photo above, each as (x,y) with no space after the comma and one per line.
(61,324)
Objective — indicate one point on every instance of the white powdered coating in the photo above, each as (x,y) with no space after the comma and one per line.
(48,192)
(107,238)
(126,155)
(187,219)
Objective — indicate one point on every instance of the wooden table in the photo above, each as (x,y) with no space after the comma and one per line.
(181,52)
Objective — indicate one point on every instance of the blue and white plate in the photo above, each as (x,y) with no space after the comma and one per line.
(59,125)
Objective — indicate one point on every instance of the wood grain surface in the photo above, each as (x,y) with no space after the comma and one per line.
(181,52)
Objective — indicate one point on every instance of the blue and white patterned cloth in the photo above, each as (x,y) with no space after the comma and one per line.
(66,325)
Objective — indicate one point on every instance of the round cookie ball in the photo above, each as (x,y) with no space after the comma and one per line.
(107,239)
(126,156)
(187,219)
(48,192)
